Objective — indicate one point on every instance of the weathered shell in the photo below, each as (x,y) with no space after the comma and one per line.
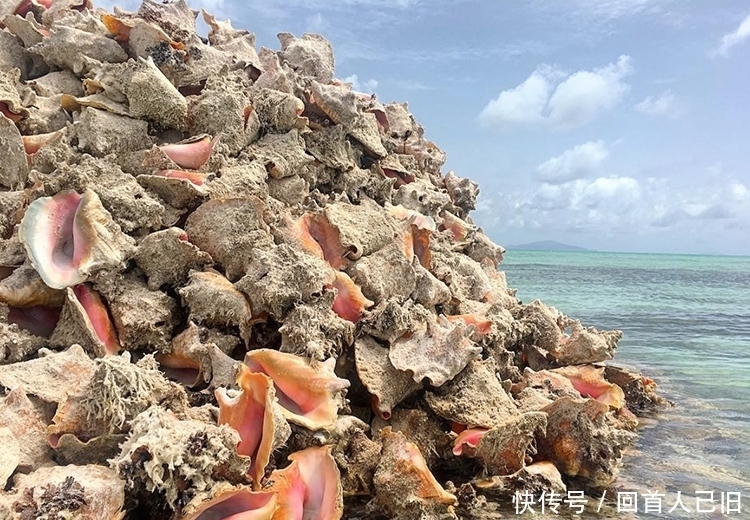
(51,377)
(143,318)
(311,55)
(213,300)
(101,132)
(150,95)
(69,237)
(314,330)
(172,462)
(586,345)
(11,52)
(282,277)
(279,112)
(282,154)
(388,385)
(224,108)
(473,398)
(504,449)
(67,48)
(363,229)
(27,422)
(10,102)
(25,288)
(578,443)
(131,206)
(239,43)
(14,170)
(437,351)
(167,258)
(229,230)
(403,482)
(198,356)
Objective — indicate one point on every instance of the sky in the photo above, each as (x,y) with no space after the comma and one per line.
(616,125)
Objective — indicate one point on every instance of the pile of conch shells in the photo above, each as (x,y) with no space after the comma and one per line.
(233,287)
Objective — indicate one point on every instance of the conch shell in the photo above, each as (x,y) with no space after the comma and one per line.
(256,416)
(310,487)
(70,236)
(305,392)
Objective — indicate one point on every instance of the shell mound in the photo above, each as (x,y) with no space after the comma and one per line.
(231,286)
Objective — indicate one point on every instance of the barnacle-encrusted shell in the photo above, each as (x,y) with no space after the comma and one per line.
(388,385)
(579,442)
(405,485)
(71,491)
(14,170)
(438,350)
(160,455)
(229,230)
(213,300)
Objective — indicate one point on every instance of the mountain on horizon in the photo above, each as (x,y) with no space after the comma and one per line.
(547,245)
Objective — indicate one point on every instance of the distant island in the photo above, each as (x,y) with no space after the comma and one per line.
(547,245)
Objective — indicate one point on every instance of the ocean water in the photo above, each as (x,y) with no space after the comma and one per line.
(686,324)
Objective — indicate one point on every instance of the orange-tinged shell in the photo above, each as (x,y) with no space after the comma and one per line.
(32,143)
(237,504)
(192,154)
(252,414)
(589,381)
(305,393)
(310,487)
(402,475)
(349,302)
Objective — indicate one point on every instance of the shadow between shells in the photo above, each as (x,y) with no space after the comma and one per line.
(233,287)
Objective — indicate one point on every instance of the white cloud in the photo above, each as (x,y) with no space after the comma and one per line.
(576,99)
(522,104)
(613,9)
(664,105)
(623,204)
(734,38)
(368,86)
(579,98)
(575,163)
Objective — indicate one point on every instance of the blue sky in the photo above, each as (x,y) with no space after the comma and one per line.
(620,125)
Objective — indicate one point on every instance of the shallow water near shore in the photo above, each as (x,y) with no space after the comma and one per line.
(686,324)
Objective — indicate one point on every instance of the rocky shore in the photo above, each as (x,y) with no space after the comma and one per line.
(233,287)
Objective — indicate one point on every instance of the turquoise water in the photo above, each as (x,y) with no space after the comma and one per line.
(686,324)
